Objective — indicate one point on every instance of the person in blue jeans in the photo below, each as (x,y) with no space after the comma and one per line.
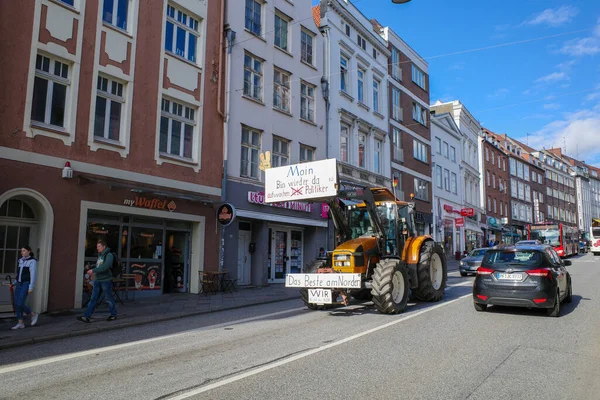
(24,286)
(102,277)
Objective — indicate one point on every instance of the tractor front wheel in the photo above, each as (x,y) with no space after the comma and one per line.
(390,286)
(432,273)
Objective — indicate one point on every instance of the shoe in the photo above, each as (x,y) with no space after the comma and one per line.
(84,319)
(34,319)
(111,318)
(18,326)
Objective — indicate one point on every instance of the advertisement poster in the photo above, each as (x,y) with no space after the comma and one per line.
(147,276)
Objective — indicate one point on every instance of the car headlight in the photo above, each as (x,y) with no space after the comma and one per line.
(462,263)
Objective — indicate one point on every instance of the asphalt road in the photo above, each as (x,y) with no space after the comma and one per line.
(440,350)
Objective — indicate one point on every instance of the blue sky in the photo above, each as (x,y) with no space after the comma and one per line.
(545,92)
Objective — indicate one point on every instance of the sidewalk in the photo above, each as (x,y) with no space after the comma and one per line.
(60,325)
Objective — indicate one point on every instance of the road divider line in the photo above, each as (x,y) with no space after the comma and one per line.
(308,353)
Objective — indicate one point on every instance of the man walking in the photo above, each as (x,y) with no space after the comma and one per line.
(102,277)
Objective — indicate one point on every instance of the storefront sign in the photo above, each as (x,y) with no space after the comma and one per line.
(151,204)
(311,180)
(259,198)
(225,214)
(467,212)
(448,208)
(492,222)
(459,222)
(324,211)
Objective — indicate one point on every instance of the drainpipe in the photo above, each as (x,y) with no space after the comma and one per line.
(221,34)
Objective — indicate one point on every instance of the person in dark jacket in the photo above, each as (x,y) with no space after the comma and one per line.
(24,286)
(102,277)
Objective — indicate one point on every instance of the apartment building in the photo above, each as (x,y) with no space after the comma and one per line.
(447,189)
(276,113)
(113,133)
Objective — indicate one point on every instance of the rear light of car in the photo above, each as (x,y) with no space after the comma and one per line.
(538,301)
(543,272)
(484,271)
(482,297)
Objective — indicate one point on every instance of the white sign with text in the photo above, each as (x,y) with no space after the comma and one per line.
(348,281)
(311,180)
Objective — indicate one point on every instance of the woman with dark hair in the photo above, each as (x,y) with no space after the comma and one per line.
(24,286)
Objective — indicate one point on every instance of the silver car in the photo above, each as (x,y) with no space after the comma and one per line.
(471,262)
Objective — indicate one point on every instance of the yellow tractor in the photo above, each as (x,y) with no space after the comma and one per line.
(379,256)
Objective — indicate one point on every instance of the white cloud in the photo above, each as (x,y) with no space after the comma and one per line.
(553,77)
(587,46)
(499,94)
(551,106)
(554,17)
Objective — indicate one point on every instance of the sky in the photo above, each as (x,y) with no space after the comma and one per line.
(527,68)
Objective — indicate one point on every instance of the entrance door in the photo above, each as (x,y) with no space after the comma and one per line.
(177,262)
(279,255)
(243,261)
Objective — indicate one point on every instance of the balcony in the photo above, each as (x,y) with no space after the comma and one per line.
(359,175)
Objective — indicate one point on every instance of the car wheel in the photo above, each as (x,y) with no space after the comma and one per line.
(554,311)
(479,307)
(463,274)
(569,298)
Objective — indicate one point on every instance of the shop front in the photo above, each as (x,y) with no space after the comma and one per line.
(474,235)
(423,223)
(447,226)
(268,241)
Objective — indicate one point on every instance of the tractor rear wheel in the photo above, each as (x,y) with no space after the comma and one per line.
(431,272)
(390,286)
(362,294)
(312,269)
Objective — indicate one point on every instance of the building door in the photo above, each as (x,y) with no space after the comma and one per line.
(243,262)
(279,255)
(177,262)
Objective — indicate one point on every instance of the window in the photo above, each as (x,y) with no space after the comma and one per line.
(503,165)
(513,167)
(50,91)
(487,177)
(396,107)
(550,211)
(306,47)
(438,145)
(396,71)
(541,197)
(549,191)
(281,32)
(452,153)
(177,124)
(493,159)
(438,176)
(281,90)
(446,180)
(181,34)
(344,141)
(281,152)
(494,181)
(453,184)
(69,2)
(362,150)
(361,81)
(495,206)
(526,172)
(487,154)
(501,208)
(361,42)
(520,170)
(499,166)
(347,30)
(397,142)
(521,191)
(420,151)
(513,188)
(527,193)
(344,74)
(250,150)
(445,149)
(419,114)
(253,16)
(307,153)
(421,189)
(376,85)
(253,77)
(377,161)
(307,102)
(418,77)
(374,53)
(109,104)
(114,12)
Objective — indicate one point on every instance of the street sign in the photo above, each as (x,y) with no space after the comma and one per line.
(459,222)
(467,212)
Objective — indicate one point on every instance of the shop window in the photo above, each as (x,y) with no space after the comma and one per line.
(13,235)
(98,230)
(296,252)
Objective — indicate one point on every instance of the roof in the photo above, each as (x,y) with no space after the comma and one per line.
(524,146)
(316,12)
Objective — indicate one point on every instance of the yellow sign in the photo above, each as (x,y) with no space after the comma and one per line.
(265,160)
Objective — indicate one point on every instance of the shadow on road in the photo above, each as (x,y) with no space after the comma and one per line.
(565,309)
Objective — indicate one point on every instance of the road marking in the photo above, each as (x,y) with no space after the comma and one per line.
(53,359)
(460,284)
(277,364)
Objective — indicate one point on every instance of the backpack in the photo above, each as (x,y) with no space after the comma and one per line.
(116,268)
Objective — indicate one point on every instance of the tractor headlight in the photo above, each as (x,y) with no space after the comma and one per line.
(341,257)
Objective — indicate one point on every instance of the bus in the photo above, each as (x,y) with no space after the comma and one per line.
(564,238)
(595,237)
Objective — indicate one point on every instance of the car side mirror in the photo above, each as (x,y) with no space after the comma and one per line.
(568,263)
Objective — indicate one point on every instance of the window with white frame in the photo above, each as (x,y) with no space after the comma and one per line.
(438,176)
(376,85)
(513,188)
(513,167)
(348,29)
(377,156)
(527,193)
(344,74)
(446,180)
(421,189)
(445,150)
(418,77)
(396,71)
(281,31)
(503,165)
(419,113)
(501,208)
(280,155)
(109,107)
(494,181)
(521,191)
(50,91)
(253,77)
(360,74)
(495,206)
(419,151)
(254,17)
(520,170)
(526,172)
(181,33)
(69,2)
(362,149)
(281,90)
(115,12)
(307,153)
(398,153)
(307,101)
(396,107)
(362,43)
(306,48)
(487,154)
(493,157)
(499,166)
(489,203)
(452,153)
(344,142)
(453,183)
(487,177)
(438,145)
(177,125)
(250,150)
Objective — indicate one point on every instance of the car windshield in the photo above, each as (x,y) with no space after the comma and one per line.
(477,253)
(524,257)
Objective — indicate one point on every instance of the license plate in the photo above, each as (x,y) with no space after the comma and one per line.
(474,268)
(319,296)
(512,277)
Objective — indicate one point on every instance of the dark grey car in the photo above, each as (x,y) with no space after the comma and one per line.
(471,262)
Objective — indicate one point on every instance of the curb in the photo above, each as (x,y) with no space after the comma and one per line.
(83,332)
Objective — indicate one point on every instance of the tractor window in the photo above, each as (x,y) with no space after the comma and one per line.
(360,223)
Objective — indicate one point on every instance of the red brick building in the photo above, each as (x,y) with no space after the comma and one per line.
(126,93)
